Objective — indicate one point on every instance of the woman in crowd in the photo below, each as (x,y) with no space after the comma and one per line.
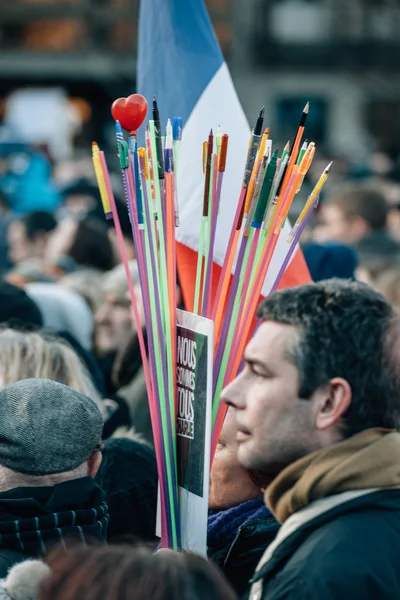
(240,526)
(117,347)
(121,573)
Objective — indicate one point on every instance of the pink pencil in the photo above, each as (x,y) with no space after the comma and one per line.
(132,295)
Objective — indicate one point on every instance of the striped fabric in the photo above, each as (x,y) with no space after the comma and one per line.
(28,525)
(35,535)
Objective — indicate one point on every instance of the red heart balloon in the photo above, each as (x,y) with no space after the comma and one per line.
(130,111)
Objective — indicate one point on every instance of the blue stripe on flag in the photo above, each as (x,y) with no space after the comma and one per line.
(178,54)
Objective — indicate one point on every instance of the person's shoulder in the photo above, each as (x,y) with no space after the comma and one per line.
(362,532)
(361,525)
(342,558)
(333,582)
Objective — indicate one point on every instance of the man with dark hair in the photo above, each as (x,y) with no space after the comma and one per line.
(318,411)
(28,236)
(356,216)
(50,437)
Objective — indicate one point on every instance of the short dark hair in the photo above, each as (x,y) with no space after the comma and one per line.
(345,329)
(91,246)
(38,221)
(366,203)
(123,573)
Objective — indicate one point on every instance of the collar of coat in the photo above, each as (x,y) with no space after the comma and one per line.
(325,484)
(368,460)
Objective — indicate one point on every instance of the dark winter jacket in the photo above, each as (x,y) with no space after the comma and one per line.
(343,547)
(237,538)
(33,520)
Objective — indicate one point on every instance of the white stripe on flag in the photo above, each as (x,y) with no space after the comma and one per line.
(217,106)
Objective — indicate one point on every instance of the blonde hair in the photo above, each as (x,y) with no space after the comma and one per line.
(115,280)
(26,354)
(87,283)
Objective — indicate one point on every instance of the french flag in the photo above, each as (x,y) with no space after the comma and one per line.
(180,62)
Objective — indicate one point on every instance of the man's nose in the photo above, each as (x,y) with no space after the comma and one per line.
(234,393)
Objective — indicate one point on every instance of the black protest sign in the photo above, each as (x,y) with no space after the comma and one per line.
(191,373)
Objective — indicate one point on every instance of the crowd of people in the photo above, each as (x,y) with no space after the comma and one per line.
(304,498)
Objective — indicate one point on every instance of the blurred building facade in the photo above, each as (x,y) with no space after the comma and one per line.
(86,47)
(342,55)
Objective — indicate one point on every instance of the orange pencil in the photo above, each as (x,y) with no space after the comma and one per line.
(295,147)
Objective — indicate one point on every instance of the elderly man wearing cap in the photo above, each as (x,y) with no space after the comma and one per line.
(49,454)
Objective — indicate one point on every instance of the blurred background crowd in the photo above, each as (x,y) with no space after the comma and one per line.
(62,63)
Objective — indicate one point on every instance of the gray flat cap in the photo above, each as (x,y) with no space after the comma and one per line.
(46,427)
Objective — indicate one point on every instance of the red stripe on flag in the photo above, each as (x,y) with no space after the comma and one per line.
(296,274)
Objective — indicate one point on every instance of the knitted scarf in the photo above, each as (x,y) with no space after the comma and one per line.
(223,526)
(370,459)
(32,520)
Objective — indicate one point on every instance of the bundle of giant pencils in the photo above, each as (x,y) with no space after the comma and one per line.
(270,184)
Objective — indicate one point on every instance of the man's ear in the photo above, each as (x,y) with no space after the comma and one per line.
(94,462)
(334,400)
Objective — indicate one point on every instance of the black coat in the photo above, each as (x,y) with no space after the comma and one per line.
(35,519)
(239,560)
(350,552)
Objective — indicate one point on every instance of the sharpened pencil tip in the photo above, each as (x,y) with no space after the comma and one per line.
(287,147)
(329,167)
(262,112)
(306,108)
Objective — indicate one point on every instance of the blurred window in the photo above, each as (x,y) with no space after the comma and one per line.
(288,110)
(382,119)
